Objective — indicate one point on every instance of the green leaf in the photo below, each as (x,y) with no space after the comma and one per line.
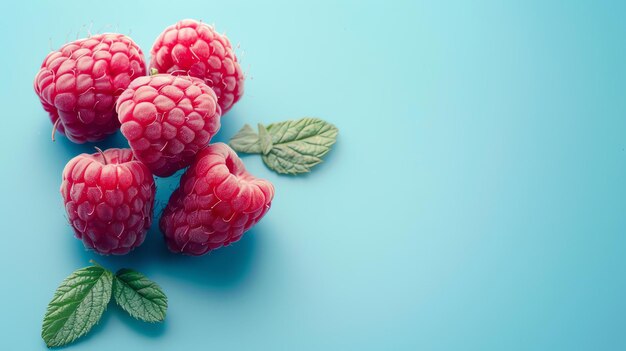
(246,140)
(299,145)
(289,147)
(139,296)
(265,140)
(77,305)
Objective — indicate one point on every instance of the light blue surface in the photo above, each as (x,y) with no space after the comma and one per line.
(475,199)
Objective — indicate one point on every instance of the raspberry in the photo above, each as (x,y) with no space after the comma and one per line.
(167,119)
(79,83)
(193,48)
(217,201)
(109,198)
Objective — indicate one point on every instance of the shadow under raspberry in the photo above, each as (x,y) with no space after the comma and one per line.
(116,140)
(222,269)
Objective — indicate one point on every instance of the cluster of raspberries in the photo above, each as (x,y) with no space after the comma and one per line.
(92,87)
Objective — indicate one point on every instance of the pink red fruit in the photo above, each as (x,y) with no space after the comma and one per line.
(79,83)
(217,201)
(109,199)
(167,119)
(194,48)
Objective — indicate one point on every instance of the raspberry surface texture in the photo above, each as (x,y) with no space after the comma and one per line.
(167,120)
(194,48)
(216,203)
(109,200)
(79,84)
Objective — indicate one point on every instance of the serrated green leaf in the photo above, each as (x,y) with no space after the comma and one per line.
(265,140)
(77,305)
(139,296)
(299,145)
(246,140)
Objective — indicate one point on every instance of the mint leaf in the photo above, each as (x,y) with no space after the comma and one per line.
(77,305)
(299,145)
(290,147)
(265,140)
(139,296)
(246,140)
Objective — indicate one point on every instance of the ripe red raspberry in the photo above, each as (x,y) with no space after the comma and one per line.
(79,83)
(109,198)
(217,201)
(193,48)
(167,119)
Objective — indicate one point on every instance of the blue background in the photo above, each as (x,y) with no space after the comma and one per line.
(475,199)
